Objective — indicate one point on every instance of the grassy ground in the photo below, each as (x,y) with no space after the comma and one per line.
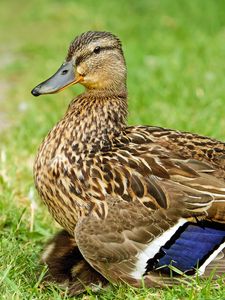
(175,57)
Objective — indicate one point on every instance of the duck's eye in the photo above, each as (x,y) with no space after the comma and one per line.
(97,49)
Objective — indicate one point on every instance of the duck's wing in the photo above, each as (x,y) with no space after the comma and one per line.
(137,167)
(137,245)
(164,209)
(185,144)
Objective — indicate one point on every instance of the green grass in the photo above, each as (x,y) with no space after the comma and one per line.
(175,58)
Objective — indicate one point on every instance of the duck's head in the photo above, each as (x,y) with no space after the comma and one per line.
(95,59)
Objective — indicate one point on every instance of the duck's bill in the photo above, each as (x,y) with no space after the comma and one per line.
(64,77)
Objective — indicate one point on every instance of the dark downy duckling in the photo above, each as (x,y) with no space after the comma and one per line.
(67,267)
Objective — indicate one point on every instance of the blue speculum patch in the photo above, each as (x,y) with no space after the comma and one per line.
(189,247)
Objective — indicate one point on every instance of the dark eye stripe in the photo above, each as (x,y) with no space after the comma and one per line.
(83,57)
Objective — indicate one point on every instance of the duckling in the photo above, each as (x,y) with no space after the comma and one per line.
(68,268)
(139,201)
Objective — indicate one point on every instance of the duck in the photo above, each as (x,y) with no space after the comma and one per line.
(142,205)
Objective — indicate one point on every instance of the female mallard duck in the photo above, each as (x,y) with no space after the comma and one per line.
(139,201)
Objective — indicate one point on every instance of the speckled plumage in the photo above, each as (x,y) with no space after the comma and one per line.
(92,169)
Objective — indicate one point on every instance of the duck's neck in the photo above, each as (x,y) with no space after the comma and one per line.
(97,116)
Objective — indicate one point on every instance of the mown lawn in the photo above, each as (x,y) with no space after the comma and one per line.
(175,58)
